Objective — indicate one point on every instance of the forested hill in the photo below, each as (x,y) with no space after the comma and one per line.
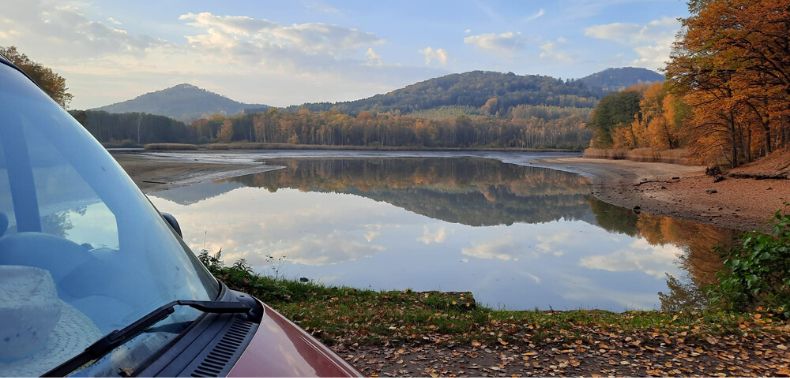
(184,102)
(494,92)
(617,79)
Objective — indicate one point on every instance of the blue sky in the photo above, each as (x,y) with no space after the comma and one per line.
(289,52)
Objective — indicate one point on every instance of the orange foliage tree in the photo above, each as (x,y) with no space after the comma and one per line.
(732,66)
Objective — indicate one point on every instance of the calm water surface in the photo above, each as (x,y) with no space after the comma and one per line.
(518,237)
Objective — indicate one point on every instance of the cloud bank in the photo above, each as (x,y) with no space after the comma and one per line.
(652,42)
(508,42)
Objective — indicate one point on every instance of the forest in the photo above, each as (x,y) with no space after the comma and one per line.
(130,129)
(727,94)
(386,129)
(494,92)
(529,127)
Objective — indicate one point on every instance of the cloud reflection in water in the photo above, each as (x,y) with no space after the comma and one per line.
(517,237)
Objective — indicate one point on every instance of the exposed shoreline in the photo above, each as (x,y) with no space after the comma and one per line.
(660,188)
(680,191)
(152,173)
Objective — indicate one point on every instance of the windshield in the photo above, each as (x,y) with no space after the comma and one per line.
(82,250)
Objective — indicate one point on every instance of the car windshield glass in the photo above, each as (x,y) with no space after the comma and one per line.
(82,250)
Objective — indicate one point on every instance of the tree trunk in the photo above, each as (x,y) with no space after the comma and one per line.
(733,140)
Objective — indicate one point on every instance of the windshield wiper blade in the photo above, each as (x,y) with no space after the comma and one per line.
(116,338)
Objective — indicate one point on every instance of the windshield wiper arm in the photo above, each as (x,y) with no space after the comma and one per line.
(116,338)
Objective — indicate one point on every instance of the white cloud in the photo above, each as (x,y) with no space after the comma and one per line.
(641,256)
(508,42)
(434,55)
(372,232)
(540,13)
(373,58)
(533,277)
(321,7)
(310,235)
(581,288)
(502,249)
(321,250)
(55,24)
(552,243)
(549,51)
(248,59)
(241,34)
(652,42)
(433,237)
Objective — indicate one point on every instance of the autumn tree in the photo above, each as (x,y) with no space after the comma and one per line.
(732,67)
(226,131)
(49,81)
(661,124)
(612,118)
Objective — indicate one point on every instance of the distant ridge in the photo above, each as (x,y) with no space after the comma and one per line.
(617,79)
(472,90)
(475,92)
(184,102)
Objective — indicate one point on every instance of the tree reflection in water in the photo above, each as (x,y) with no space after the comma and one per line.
(487,193)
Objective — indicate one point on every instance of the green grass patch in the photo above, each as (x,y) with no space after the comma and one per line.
(348,315)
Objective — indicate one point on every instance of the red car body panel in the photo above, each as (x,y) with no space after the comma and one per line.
(280,348)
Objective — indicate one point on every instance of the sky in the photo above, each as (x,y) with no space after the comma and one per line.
(290,52)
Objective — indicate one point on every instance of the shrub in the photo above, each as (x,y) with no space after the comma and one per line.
(757,271)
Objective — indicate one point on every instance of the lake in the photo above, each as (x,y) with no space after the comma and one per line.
(516,236)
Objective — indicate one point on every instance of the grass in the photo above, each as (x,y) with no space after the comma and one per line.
(348,315)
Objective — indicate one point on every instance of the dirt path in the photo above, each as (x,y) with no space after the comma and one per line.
(681,191)
(637,354)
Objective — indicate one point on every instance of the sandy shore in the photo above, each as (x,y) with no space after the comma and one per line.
(153,173)
(681,191)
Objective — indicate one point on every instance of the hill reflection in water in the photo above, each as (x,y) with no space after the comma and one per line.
(518,237)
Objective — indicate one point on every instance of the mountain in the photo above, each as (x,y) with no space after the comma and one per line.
(616,79)
(494,93)
(472,90)
(183,102)
(475,93)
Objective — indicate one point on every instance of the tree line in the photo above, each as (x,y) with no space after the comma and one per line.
(543,127)
(641,116)
(727,95)
(133,128)
(387,130)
